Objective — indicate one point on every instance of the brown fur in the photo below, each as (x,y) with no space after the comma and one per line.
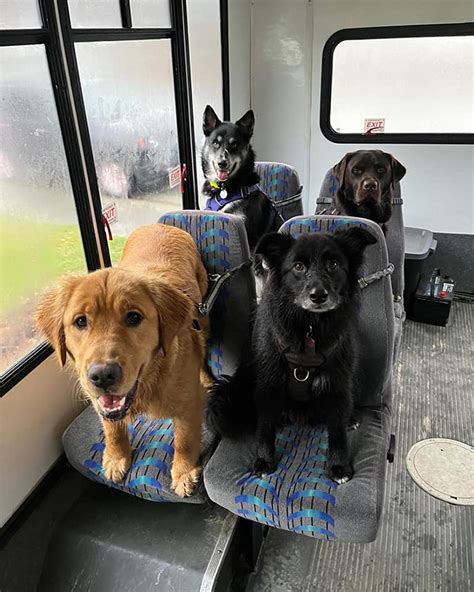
(162,277)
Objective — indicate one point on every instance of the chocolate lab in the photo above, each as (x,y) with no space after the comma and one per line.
(366,182)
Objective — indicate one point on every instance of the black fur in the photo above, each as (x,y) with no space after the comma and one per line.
(227,152)
(312,283)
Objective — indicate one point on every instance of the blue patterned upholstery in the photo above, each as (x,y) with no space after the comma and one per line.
(299,496)
(282,185)
(296,478)
(222,242)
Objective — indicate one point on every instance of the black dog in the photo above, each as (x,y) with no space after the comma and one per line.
(304,364)
(228,163)
(366,181)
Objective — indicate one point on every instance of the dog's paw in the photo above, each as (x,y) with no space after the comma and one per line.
(185,483)
(115,467)
(263,467)
(340,473)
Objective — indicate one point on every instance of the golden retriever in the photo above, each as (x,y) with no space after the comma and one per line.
(137,342)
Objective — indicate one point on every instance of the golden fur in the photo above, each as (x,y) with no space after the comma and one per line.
(160,276)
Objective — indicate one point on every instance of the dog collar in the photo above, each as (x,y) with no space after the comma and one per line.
(303,365)
(221,197)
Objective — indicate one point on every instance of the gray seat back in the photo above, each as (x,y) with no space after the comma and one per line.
(222,242)
(376,316)
(395,237)
(281,183)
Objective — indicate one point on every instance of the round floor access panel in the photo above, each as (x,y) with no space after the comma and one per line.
(443,468)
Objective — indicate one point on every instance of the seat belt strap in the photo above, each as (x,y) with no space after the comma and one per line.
(218,280)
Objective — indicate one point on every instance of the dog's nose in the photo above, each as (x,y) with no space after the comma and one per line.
(368,184)
(222,163)
(318,295)
(104,375)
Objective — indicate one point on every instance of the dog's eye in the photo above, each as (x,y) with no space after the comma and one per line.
(356,171)
(81,322)
(132,319)
(216,144)
(332,265)
(299,267)
(381,170)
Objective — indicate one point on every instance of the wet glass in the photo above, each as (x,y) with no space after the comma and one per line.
(40,239)
(129,97)
(20,14)
(151,13)
(95,14)
(206,69)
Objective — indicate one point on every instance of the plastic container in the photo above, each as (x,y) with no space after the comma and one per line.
(433,297)
(419,245)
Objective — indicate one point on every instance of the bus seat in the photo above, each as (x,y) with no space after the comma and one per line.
(395,239)
(299,497)
(222,242)
(281,183)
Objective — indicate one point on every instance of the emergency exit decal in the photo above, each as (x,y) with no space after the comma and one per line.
(174,176)
(374,126)
(110,212)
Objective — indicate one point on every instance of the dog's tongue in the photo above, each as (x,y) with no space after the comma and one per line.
(222,175)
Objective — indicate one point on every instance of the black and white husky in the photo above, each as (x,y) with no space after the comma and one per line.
(231,182)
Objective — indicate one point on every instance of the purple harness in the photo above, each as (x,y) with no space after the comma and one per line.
(221,198)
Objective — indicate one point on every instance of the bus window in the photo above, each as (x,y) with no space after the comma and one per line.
(129,97)
(39,227)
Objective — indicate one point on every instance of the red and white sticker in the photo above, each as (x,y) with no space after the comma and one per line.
(110,212)
(174,176)
(374,126)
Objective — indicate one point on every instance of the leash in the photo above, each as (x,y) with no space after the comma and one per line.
(218,281)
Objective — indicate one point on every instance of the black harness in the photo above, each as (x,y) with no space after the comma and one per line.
(220,197)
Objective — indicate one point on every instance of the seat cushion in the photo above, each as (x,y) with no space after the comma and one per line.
(299,496)
(149,476)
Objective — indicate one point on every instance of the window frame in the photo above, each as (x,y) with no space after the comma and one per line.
(59,38)
(404,31)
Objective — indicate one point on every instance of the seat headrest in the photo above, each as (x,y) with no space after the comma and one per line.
(278,180)
(222,242)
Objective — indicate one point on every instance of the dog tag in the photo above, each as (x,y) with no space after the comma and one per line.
(223,193)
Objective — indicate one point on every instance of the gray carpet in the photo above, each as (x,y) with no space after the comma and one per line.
(424,544)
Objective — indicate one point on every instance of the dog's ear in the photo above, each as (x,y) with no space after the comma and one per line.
(246,123)
(174,309)
(49,316)
(398,170)
(209,120)
(354,241)
(273,247)
(339,169)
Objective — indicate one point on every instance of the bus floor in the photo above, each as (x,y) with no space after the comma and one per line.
(423,544)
